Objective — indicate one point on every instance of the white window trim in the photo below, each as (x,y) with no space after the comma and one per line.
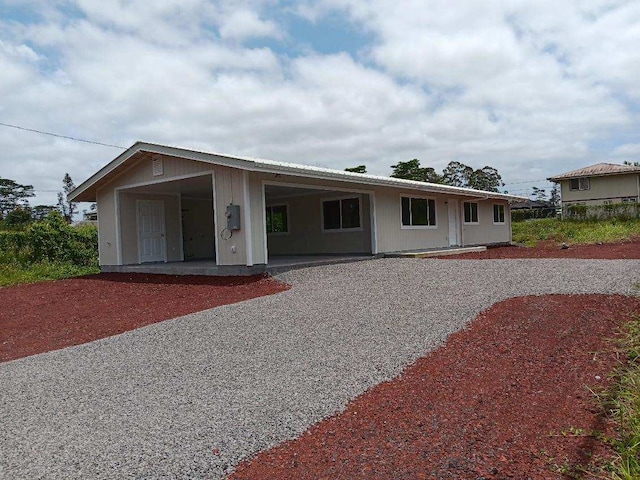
(278,234)
(341,230)
(504,214)
(579,189)
(418,227)
(464,222)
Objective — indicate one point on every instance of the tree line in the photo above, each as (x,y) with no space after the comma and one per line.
(15,208)
(455,174)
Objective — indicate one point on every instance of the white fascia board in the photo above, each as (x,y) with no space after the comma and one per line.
(103,172)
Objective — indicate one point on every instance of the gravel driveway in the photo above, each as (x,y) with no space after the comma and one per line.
(191,397)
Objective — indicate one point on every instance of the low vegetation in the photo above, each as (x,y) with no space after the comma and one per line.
(621,402)
(531,232)
(16,273)
(625,405)
(621,211)
(47,250)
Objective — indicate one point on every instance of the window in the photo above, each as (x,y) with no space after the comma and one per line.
(583,183)
(277,219)
(341,214)
(418,212)
(629,199)
(470,212)
(498,214)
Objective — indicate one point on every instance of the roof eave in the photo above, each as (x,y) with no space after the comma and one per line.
(385,182)
(87,187)
(607,174)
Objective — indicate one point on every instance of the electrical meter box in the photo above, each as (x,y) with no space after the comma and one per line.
(233,217)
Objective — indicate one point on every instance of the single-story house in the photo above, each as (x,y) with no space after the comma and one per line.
(600,184)
(159,203)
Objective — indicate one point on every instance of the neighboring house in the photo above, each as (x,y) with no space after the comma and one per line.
(163,204)
(528,209)
(89,218)
(600,184)
(537,207)
(528,204)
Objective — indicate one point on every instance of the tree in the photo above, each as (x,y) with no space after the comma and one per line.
(358,169)
(539,194)
(18,218)
(66,207)
(457,174)
(554,198)
(412,170)
(487,178)
(40,212)
(13,195)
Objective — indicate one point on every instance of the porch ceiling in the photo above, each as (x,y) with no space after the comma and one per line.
(196,187)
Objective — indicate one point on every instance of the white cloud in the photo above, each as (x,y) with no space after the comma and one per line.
(627,152)
(17,69)
(242,24)
(543,79)
(532,89)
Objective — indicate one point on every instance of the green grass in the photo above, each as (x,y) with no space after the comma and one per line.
(13,273)
(622,402)
(530,232)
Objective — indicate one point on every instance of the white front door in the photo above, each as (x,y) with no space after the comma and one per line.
(151,231)
(454,222)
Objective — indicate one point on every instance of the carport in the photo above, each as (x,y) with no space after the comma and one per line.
(303,223)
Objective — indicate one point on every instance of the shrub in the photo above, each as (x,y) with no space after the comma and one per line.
(622,211)
(17,219)
(577,211)
(13,245)
(52,240)
(523,214)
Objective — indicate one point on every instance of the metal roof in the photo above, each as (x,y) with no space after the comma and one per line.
(86,190)
(597,170)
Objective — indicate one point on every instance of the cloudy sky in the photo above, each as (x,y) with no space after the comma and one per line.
(533,88)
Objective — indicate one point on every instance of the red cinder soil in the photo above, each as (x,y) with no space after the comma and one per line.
(623,250)
(492,403)
(47,316)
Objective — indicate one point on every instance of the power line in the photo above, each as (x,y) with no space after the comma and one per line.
(528,181)
(61,136)
(124,148)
